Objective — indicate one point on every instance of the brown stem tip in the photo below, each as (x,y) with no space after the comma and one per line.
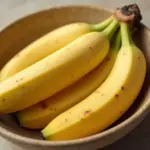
(130,14)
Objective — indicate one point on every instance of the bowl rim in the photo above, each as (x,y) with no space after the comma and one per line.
(39,142)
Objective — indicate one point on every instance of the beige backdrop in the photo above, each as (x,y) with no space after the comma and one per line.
(11,10)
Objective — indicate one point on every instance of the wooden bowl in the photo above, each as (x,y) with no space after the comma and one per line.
(22,32)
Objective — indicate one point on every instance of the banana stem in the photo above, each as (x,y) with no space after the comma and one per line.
(117,42)
(110,30)
(101,26)
(125,34)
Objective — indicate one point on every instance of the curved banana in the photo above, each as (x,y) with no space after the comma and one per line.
(47,45)
(109,102)
(39,115)
(55,72)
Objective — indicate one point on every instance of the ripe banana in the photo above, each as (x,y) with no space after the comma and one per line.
(110,101)
(39,115)
(49,44)
(55,72)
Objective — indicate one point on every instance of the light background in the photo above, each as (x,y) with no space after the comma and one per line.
(10,10)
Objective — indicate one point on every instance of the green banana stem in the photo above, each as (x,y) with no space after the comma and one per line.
(117,42)
(125,34)
(101,26)
(110,30)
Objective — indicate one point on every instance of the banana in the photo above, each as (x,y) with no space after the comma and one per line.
(108,102)
(49,44)
(55,72)
(39,115)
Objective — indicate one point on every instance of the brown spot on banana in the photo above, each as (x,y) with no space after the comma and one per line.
(122,88)
(87,112)
(43,105)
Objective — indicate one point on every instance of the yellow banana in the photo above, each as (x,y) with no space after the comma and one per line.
(39,115)
(47,45)
(55,72)
(108,102)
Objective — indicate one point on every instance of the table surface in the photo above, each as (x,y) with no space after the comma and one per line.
(14,9)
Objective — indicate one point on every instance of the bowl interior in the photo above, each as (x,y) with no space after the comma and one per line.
(21,33)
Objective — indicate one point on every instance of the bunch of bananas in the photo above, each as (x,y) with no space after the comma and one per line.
(72,82)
